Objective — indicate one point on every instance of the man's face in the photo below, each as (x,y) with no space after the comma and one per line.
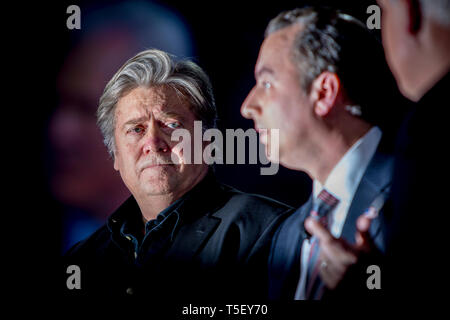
(277,100)
(399,54)
(145,120)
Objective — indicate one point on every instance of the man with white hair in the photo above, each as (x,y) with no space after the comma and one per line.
(181,234)
(416,39)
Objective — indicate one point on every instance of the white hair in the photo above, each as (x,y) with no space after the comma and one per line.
(155,68)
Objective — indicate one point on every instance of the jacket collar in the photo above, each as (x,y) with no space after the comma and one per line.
(198,198)
(198,218)
(375,180)
(195,209)
(439,89)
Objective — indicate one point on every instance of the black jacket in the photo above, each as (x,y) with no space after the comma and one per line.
(211,244)
(420,192)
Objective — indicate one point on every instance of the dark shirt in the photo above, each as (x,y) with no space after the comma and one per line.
(141,236)
(200,246)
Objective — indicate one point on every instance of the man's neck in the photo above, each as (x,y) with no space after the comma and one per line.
(335,146)
(151,206)
(429,74)
(434,62)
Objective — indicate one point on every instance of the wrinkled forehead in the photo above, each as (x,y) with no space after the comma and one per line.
(156,100)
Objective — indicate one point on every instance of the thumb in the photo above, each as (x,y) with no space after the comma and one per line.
(363,240)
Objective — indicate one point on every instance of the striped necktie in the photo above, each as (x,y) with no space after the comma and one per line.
(323,205)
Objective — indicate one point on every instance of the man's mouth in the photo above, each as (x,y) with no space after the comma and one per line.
(156,165)
(259,128)
(263,132)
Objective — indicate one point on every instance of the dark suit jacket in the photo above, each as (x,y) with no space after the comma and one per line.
(418,238)
(284,259)
(220,230)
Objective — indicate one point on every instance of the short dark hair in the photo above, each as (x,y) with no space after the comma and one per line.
(331,40)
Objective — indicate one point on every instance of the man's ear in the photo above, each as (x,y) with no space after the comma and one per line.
(116,165)
(324,92)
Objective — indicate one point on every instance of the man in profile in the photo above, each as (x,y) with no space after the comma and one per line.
(416,39)
(322,80)
(181,234)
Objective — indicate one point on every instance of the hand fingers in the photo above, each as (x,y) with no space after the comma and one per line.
(317,229)
(338,254)
(331,272)
(363,223)
(332,249)
(329,275)
(363,239)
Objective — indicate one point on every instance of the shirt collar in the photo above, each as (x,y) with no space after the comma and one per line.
(133,223)
(197,198)
(344,179)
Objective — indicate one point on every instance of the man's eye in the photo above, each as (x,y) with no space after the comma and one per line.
(138,130)
(266,85)
(174,125)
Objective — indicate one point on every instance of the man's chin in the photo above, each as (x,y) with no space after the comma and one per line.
(273,156)
(156,180)
(158,188)
(157,173)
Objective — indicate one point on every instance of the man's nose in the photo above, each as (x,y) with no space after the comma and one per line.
(250,107)
(154,140)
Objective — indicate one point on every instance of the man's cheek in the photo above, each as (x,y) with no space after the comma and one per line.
(179,154)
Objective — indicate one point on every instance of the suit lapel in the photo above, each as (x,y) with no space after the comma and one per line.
(199,219)
(296,242)
(186,246)
(377,177)
(287,253)
(305,210)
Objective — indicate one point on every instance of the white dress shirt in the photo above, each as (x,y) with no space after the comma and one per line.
(342,183)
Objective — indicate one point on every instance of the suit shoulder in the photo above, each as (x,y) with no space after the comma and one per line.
(90,245)
(256,203)
(252,210)
(291,225)
(245,197)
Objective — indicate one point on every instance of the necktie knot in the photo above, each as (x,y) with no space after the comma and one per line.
(323,205)
(327,198)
